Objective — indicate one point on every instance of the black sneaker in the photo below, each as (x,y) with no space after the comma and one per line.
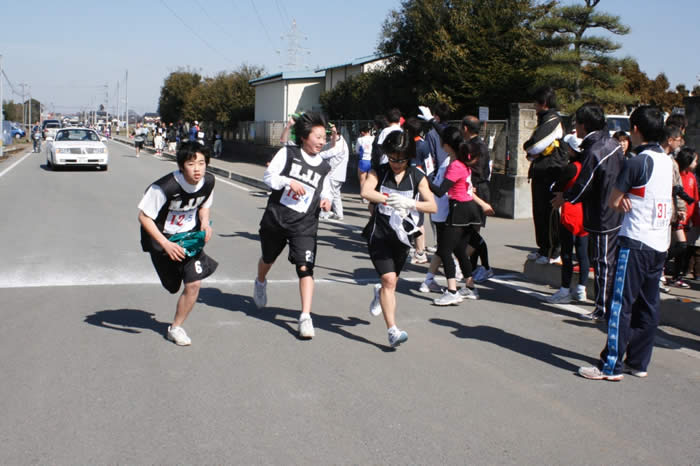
(595,316)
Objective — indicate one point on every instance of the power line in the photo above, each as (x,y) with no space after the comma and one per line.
(213,20)
(284,8)
(279,10)
(195,33)
(261,23)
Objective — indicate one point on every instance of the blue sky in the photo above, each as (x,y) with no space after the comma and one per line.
(68,51)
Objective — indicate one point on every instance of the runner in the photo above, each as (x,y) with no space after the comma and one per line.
(363,147)
(394,188)
(179,203)
(300,189)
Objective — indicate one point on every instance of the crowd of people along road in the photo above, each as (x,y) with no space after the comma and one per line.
(621,196)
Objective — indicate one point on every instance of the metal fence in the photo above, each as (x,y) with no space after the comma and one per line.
(494,133)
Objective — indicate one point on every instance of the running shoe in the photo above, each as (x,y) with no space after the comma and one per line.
(430,286)
(179,336)
(306,327)
(579,294)
(533,256)
(629,370)
(448,299)
(595,316)
(468,293)
(563,296)
(680,284)
(375,307)
(542,260)
(593,373)
(420,258)
(483,274)
(663,287)
(260,294)
(556,260)
(397,337)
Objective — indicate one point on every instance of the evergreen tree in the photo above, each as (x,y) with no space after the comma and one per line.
(173,94)
(580,67)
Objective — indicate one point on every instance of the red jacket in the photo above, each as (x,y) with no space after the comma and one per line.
(572,214)
(690,186)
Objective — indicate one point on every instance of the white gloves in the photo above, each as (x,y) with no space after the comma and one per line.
(425,113)
(397,201)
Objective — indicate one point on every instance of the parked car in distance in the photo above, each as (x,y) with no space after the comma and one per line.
(16,131)
(49,128)
(77,147)
(618,123)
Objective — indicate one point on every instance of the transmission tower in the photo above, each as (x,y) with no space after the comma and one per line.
(295,51)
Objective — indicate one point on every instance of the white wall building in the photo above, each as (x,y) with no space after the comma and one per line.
(279,95)
(336,74)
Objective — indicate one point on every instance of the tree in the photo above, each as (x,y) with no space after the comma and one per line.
(472,51)
(174,94)
(12,111)
(224,99)
(580,67)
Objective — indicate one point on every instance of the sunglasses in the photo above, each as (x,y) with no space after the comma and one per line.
(398,160)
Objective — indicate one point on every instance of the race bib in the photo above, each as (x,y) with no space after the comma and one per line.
(297,202)
(178,221)
(387,209)
(429,165)
(662,214)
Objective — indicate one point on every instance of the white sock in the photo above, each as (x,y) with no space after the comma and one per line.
(580,288)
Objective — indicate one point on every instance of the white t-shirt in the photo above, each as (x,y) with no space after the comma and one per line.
(337,157)
(154,199)
(364,147)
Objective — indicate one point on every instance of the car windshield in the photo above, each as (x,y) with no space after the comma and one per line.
(618,124)
(52,125)
(77,135)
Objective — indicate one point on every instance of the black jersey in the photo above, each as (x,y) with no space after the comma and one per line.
(379,225)
(289,211)
(180,207)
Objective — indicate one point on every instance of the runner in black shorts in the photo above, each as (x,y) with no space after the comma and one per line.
(394,188)
(179,203)
(300,189)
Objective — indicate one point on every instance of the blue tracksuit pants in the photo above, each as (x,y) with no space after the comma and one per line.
(634,312)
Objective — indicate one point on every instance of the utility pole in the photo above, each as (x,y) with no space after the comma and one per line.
(24,109)
(30,109)
(118,114)
(126,101)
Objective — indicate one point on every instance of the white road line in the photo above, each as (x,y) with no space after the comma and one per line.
(223,180)
(15,164)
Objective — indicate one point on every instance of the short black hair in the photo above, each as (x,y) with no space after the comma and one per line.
(305,123)
(620,135)
(677,119)
(591,116)
(380,122)
(393,115)
(672,131)
(412,126)
(472,123)
(649,121)
(545,95)
(466,151)
(188,150)
(396,142)
(685,157)
(442,110)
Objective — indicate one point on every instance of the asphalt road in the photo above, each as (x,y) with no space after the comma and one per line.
(89,378)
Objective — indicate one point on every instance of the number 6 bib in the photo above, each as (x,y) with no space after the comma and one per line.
(297,202)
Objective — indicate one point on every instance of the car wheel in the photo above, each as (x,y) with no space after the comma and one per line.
(104,168)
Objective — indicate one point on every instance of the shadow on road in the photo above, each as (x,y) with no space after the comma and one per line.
(544,352)
(285,319)
(127,320)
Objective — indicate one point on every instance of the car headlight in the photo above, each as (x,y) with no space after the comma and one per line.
(60,150)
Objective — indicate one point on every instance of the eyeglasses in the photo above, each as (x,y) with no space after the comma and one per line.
(398,160)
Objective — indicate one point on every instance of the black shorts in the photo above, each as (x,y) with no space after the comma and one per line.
(138,144)
(387,255)
(302,248)
(172,273)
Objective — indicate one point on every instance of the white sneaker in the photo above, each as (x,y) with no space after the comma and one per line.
(579,294)
(397,337)
(306,328)
(448,299)
(542,260)
(533,256)
(468,293)
(431,249)
(556,260)
(179,336)
(375,307)
(430,286)
(563,296)
(420,258)
(594,373)
(260,294)
(634,372)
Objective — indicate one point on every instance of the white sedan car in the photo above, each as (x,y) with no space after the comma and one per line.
(77,146)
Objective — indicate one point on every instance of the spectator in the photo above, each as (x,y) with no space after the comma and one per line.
(643,188)
(337,157)
(363,147)
(624,140)
(171,136)
(218,144)
(547,161)
(601,162)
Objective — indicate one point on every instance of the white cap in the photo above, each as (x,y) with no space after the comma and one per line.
(572,141)
(196,122)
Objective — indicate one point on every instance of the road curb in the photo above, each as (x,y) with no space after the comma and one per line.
(211,169)
(676,311)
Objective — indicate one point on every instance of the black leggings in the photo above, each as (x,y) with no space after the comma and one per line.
(454,240)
